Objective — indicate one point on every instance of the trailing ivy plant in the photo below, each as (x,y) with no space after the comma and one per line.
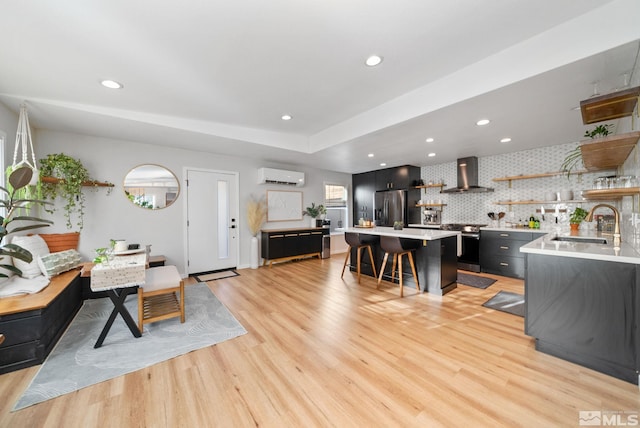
(71,174)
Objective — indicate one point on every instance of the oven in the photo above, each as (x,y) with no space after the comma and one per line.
(469,258)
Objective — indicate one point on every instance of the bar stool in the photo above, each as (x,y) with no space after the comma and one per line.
(393,245)
(355,240)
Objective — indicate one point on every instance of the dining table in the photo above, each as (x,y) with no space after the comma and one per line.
(118,277)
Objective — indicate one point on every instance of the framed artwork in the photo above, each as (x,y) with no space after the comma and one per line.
(284,205)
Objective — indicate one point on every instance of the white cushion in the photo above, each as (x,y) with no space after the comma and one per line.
(161,277)
(37,247)
(4,260)
(55,263)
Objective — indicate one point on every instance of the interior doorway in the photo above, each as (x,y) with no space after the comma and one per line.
(212,220)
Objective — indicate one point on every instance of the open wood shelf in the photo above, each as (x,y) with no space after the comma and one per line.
(54,180)
(609,152)
(531,176)
(427,186)
(431,205)
(610,106)
(610,194)
(532,202)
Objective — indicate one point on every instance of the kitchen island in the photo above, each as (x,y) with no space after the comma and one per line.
(435,259)
(582,301)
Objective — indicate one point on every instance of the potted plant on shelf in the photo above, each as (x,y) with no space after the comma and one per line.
(314,211)
(574,157)
(63,176)
(256,216)
(577,216)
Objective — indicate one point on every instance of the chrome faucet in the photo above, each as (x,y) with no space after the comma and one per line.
(616,231)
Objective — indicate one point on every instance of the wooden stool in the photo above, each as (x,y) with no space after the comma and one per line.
(157,299)
(355,240)
(393,245)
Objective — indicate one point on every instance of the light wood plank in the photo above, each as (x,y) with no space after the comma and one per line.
(321,351)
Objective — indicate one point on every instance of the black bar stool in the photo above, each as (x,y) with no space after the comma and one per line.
(393,245)
(355,240)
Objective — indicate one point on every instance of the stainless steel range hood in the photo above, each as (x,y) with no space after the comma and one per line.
(468,177)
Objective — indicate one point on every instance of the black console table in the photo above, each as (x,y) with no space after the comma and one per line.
(290,244)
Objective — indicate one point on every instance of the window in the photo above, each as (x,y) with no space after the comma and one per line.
(335,200)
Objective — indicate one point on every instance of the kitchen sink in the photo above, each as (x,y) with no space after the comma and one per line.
(583,240)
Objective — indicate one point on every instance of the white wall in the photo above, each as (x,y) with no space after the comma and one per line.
(113,216)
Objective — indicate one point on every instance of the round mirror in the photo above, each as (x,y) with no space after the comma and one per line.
(151,186)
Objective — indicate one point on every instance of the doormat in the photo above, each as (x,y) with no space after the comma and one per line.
(505,301)
(474,280)
(204,277)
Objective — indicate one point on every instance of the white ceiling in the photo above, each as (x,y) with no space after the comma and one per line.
(216,76)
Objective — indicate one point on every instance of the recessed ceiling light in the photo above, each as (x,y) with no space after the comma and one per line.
(431,154)
(287,117)
(370,155)
(505,140)
(429,140)
(373,60)
(112,84)
(383,164)
(483,122)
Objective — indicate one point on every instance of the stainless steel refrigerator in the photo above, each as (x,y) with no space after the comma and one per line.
(390,206)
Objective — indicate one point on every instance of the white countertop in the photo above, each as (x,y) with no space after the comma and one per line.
(513,229)
(425,234)
(425,226)
(545,245)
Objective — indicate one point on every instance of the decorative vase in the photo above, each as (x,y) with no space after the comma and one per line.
(255,257)
(574,228)
(313,222)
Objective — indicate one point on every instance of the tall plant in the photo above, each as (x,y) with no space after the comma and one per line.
(71,174)
(13,205)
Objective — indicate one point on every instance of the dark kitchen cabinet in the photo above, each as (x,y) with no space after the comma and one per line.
(500,251)
(585,311)
(366,184)
(402,177)
(288,244)
(364,187)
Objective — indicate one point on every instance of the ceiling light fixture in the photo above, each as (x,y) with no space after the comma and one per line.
(383,164)
(506,140)
(429,140)
(286,117)
(373,60)
(431,154)
(483,122)
(111,84)
(370,155)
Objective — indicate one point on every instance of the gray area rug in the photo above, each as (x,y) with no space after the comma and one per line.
(506,301)
(474,280)
(75,364)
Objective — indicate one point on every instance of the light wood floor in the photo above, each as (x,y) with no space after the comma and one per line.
(321,351)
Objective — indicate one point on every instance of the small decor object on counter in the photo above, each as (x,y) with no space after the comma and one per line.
(577,216)
(397,225)
(314,211)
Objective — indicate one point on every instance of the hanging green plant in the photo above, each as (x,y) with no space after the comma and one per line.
(71,174)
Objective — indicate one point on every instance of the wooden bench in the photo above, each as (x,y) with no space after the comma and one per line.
(33,323)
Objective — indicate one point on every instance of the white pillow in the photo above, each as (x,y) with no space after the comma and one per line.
(37,247)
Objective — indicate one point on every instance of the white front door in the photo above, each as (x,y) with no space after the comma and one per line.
(212,219)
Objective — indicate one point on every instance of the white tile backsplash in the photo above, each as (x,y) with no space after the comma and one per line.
(473,207)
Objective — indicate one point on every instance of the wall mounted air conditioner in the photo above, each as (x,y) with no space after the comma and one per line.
(280,176)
